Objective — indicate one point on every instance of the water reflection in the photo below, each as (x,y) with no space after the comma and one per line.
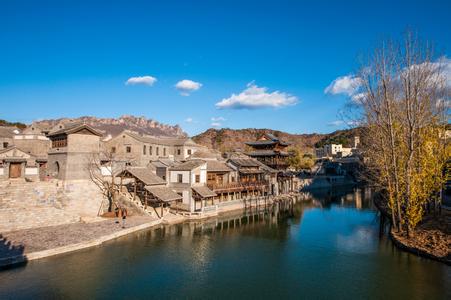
(326,246)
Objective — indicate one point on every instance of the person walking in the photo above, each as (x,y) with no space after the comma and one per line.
(124,216)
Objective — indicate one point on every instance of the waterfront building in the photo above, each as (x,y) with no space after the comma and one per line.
(189,179)
(73,148)
(270,150)
(151,190)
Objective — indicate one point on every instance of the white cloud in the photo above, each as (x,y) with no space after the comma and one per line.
(257,97)
(187,86)
(447,70)
(146,80)
(216,124)
(218,119)
(189,120)
(343,85)
(357,98)
(335,123)
(340,123)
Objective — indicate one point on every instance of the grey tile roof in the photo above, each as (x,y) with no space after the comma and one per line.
(205,154)
(203,191)
(72,128)
(267,153)
(188,165)
(145,175)
(160,140)
(163,193)
(6,132)
(217,166)
(244,162)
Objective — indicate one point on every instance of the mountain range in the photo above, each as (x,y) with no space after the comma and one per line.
(234,139)
(224,139)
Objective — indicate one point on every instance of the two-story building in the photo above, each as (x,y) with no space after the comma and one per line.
(143,149)
(270,150)
(189,179)
(73,149)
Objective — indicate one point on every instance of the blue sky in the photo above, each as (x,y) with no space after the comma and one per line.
(73,58)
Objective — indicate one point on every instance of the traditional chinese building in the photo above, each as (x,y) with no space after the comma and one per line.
(271,151)
(72,150)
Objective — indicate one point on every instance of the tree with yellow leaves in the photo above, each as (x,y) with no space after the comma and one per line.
(402,96)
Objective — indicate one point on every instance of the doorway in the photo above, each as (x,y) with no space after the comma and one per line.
(15,170)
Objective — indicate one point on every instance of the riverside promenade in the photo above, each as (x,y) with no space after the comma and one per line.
(24,245)
(21,246)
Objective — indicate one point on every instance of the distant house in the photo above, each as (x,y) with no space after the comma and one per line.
(270,150)
(6,136)
(16,164)
(72,150)
(337,150)
(143,149)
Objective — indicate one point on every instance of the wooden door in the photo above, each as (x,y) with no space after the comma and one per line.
(15,170)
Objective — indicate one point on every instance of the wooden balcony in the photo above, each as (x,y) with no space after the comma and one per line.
(238,186)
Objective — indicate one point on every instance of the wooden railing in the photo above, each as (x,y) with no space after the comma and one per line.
(237,185)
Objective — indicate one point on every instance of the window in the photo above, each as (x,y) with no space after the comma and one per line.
(128,149)
(164,151)
(189,151)
(59,142)
(158,151)
(144,150)
(150,150)
(113,149)
(179,178)
(5,145)
(179,152)
(197,178)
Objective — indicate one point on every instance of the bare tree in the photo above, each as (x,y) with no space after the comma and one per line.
(102,170)
(401,100)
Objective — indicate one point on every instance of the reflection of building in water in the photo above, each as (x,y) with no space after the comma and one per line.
(253,222)
(360,198)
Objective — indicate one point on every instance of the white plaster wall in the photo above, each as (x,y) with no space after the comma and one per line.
(186,197)
(106,171)
(203,176)
(31,171)
(2,171)
(174,176)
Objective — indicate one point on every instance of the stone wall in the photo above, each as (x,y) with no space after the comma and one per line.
(39,204)
(35,145)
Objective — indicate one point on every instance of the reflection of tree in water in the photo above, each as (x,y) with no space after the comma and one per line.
(9,251)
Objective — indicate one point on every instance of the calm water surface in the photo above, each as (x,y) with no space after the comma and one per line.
(326,248)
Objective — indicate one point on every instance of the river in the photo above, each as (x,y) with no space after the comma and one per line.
(324,248)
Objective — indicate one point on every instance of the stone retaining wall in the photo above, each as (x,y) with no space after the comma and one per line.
(38,204)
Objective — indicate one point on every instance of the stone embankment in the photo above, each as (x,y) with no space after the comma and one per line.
(29,244)
(37,204)
(68,235)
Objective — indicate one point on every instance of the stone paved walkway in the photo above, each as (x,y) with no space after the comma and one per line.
(44,238)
